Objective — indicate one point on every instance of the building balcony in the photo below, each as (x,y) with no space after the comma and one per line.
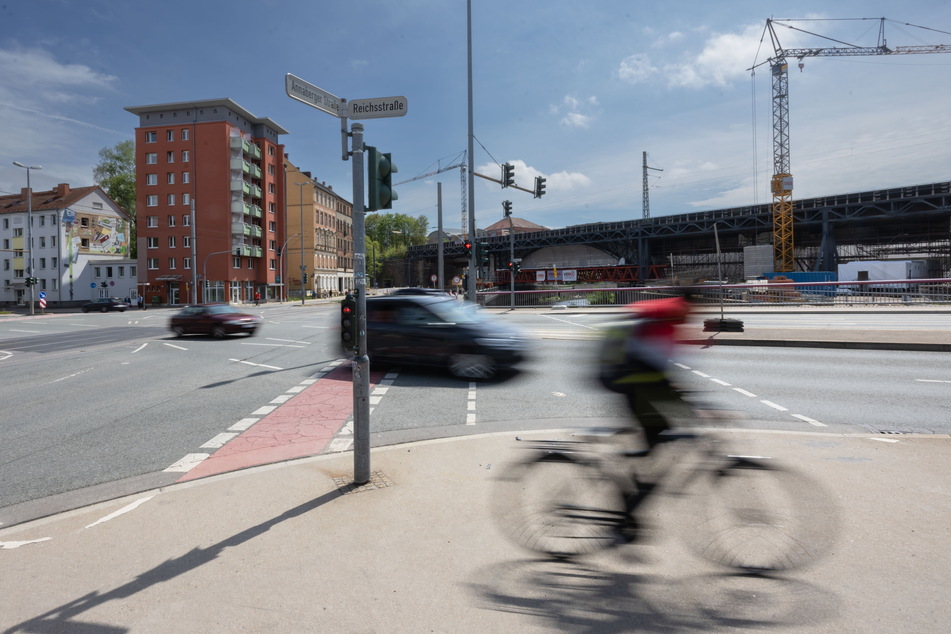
(240,207)
(255,170)
(239,229)
(257,252)
(255,152)
(256,231)
(241,164)
(255,191)
(242,250)
(19,264)
(256,212)
(241,186)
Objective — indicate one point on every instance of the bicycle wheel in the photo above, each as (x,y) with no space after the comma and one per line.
(754,516)
(560,506)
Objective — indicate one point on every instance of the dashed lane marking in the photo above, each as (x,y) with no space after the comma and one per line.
(809,420)
(125,509)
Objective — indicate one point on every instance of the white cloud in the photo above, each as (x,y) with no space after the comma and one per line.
(578,113)
(35,74)
(636,68)
(563,181)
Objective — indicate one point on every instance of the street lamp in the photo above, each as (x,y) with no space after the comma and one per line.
(204,274)
(29,227)
(302,267)
(282,262)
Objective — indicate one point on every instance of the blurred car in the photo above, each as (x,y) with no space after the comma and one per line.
(104,305)
(571,303)
(440,331)
(216,320)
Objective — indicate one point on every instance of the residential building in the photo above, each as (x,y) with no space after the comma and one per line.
(71,229)
(320,230)
(210,199)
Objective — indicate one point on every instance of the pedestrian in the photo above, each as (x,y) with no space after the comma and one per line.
(141,302)
(257,299)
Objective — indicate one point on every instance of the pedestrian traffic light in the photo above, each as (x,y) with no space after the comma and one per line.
(508,175)
(539,187)
(516,266)
(507,207)
(468,247)
(380,169)
(348,321)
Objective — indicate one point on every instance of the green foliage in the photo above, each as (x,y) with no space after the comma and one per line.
(601,297)
(392,230)
(115,173)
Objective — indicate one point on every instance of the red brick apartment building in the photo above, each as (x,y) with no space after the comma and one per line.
(210,200)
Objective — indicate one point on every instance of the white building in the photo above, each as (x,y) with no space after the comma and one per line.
(80,247)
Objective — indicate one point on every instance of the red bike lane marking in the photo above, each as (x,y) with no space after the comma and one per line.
(303,426)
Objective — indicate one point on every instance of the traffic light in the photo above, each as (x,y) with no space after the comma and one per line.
(483,252)
(516,266)
(539,187)
(348,321)
(28,281)
(507,207)
(305,278)
(380,169)
(468,247)
(508,175)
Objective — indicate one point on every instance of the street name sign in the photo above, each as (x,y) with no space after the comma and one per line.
(377,108)
(310,94)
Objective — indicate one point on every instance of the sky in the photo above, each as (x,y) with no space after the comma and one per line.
(572,91)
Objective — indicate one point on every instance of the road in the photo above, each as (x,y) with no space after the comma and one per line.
(105,400)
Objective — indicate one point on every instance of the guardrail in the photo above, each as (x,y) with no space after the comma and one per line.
(871,292)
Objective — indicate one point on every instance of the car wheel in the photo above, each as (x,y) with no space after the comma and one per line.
(85,310)
(179,331)
(218,332)
(472,366)
(104,309)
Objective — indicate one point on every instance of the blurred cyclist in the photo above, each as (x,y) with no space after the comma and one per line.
(634,358)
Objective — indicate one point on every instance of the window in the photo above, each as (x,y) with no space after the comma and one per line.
(53,241)
(171,242)
(121,271)
(151,137)
(171,264)
(6,265)
(272,263)
(187,242)
(84,243)
(171,200)
(186,199)
(170,178)
(185,156)
(6,223)
(186,220)
(236,263)
(151,179)
(170,157)
(186,177)
(151,201)
(270,150)
(184,134)
(108,271)
(170,135)
(54,263)
(271,226)
(42,221)
(250,263)
(186,263)
(42,242)
(270,208)
(132,271)
(42,263)
(151,158)
(171,221)
(271,245)
(152,221)
(270,169)
(270,188)
(152,264)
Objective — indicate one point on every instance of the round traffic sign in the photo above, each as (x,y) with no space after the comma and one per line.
(42,294)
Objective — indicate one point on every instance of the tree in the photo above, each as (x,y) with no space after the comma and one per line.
(396,230)
(115,173)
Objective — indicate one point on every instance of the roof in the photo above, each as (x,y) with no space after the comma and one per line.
(206,103)
(54,199)
(517,224)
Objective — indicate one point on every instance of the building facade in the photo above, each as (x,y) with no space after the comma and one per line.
(320,237)
(210,199)
(80,247)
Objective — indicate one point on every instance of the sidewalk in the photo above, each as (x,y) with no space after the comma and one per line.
(292,548)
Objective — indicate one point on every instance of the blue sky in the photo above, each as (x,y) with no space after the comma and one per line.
(573,91)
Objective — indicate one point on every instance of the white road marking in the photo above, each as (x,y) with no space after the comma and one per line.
(744,392)
(775,406)
(682,366)
(720,382)
(256,365)
(471,397)
(272,345)
(6,354)
(570,323)
(30,331)
(701,374)
(306,343)
(297,389)
(809,420)
(12,545)
(931,381)
(244,424)
(122,511)
(338,445)
(264,411)
(283,398)
(172,345)
(69,376)
(884,439)
(218,441)
(186,464)
(140,347)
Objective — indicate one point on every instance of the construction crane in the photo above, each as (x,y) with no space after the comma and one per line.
(782,181)
(456,161)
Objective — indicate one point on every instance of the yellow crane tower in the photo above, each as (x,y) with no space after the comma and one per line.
(782,180)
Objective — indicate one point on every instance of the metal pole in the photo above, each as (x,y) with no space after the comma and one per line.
(194,259)
(361,363)
(29,229)
(300,190)
(439,239)
(471,277)
(716,238)
(512,260)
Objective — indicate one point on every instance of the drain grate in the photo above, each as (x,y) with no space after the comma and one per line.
(378,480)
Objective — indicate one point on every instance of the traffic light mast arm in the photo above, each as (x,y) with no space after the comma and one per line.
(499,181)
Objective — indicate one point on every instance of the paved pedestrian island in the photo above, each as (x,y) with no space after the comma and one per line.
(292,547)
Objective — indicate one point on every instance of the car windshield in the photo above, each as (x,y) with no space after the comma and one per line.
(455,311)
(222,309)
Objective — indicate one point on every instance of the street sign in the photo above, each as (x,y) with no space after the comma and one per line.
(310,94)
(42,294)
(377,108)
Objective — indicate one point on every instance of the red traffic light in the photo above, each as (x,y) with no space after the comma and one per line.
(347,310)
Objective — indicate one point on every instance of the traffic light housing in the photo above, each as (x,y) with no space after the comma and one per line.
(380,170)
(483,252)
(539,187)
(468,247)
(516,266)
(28,281)
(508,175)
(348,321)
(507,207)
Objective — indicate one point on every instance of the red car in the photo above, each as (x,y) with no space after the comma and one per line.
(216,320)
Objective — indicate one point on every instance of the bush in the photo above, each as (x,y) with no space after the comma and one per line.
(602,297)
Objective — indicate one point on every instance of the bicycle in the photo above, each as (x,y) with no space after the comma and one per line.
(576,497)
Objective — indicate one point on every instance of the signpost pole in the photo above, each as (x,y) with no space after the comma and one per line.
(361,362)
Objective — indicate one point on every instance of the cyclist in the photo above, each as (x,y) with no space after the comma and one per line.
(634,358)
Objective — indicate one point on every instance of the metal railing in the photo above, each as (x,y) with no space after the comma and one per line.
(854,293)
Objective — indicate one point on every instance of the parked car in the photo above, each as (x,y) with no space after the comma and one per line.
(216,320)
(440,331)
(104,305)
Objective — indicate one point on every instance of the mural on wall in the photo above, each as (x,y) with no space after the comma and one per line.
(94,234)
